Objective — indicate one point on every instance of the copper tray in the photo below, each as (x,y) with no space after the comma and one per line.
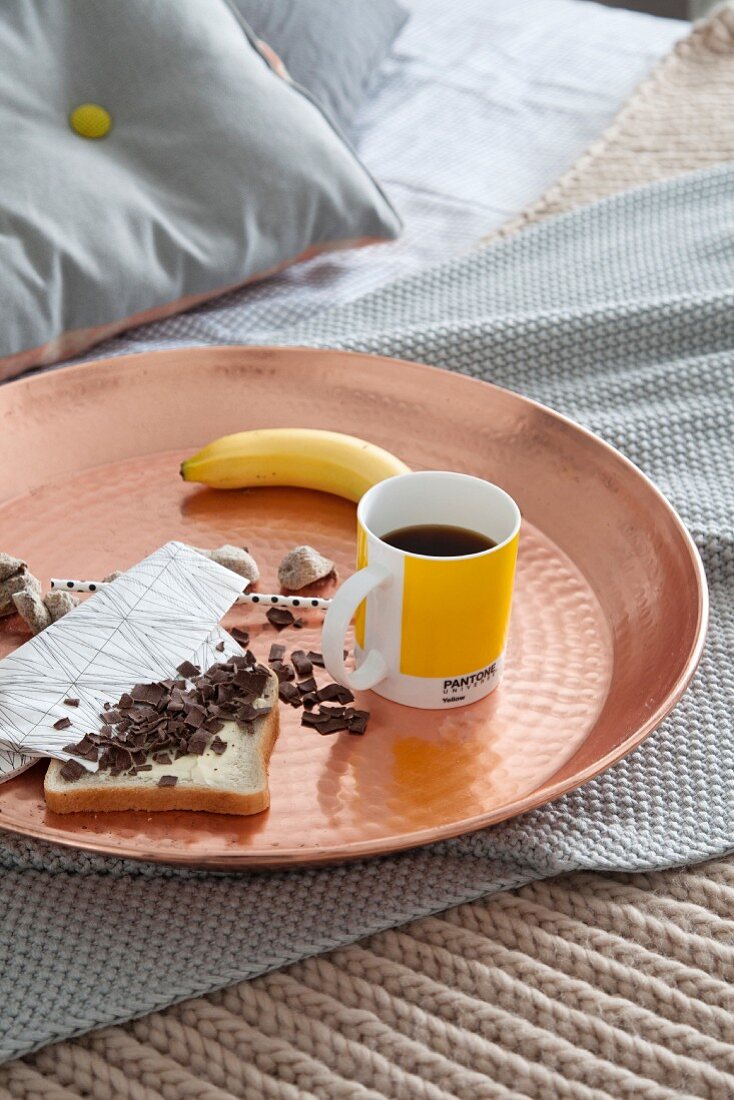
(608,621)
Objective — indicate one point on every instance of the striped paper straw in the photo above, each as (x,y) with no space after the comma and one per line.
(268,599)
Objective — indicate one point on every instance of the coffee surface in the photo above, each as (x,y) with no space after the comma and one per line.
(438,540)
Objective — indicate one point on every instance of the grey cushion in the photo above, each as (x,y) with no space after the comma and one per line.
(215,171)
(331,47)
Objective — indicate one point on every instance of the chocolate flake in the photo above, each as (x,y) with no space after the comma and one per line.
(280,617)
(195,716)
(308,687)
(335,693)
(315,658)
(310,718)
(240,636)
(277,652)
(72,770)
(332,725)
(357,721)
(289,694)
(247,713)
(336,719)
(62,724)
(86,748)
(301,663)
(282,671)
(219,647)
(185,669)
(71,702)
(168,781)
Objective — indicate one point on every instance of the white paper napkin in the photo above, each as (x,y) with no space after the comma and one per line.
(138,629)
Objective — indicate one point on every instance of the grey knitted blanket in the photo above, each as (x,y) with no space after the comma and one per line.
(620,315)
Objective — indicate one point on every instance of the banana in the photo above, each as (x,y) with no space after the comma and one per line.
(308,458)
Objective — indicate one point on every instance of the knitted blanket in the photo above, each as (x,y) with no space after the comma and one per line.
(638,347)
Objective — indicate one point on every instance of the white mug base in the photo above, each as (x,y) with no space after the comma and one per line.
(429,693)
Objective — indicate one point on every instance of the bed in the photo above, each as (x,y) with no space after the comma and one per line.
(534,84)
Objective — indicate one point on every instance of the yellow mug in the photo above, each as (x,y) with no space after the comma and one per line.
(430,631)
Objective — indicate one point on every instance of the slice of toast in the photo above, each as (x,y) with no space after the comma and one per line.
(235,782)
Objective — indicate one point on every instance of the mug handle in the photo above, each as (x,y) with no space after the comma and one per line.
(340,614)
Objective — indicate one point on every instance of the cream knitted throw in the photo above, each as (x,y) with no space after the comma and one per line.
(679,120)
(586,986)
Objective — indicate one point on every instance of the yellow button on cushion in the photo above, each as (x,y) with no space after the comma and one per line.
(89,120)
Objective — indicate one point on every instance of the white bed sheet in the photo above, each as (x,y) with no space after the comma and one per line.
(480,107)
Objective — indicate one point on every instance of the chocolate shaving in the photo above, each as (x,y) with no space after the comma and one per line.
(301,663)
(240,636)
(282,671)
(246,713)
(62,724)
(357,721)
(289,694)
(86,748)
(219,647)
(257,682)
(72,770)
(277,652)
(198,743)
(336,719)
(335,693)
(310,718)
(280,617)
(308,687)
(168,781)
(71,702)
(185,669)
(154,693)
(332,725)
(315,658)
(195,716)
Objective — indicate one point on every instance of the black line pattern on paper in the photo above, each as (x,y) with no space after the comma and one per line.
(138,629)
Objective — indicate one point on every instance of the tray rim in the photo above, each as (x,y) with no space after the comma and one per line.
(362,849)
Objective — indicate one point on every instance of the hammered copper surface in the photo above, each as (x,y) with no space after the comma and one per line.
(608,620)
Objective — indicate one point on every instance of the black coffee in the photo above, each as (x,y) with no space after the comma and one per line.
(438,541)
